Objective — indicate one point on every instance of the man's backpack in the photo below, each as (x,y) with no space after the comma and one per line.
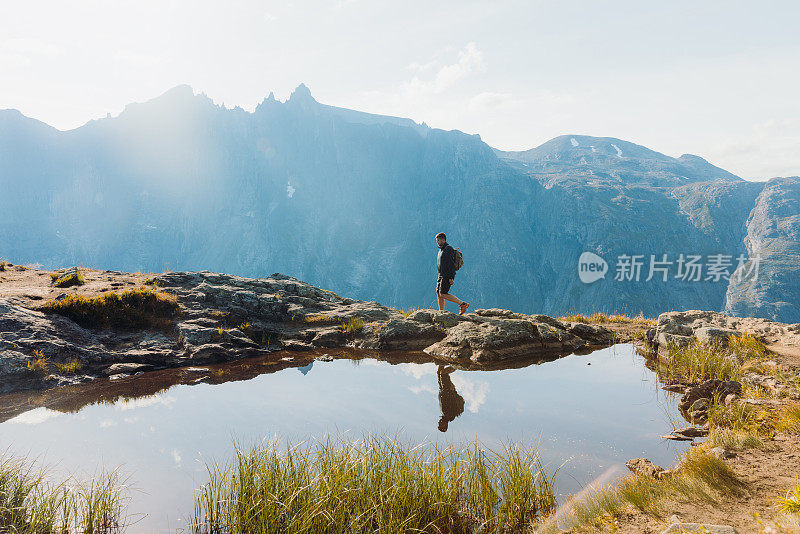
(459,261)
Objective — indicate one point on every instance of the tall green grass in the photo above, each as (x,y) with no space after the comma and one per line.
(30,504)
(373,485)
(700,361)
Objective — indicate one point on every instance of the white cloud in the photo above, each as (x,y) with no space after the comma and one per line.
(473,391)
(425,388)
(470,60)
(489,100)
(269,17)
(422,67)
(30,46)
(176,457)
(34,417)
(143,402)
(417,370)
(771,149)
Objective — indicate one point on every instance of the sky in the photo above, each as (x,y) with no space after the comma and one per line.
(715,78)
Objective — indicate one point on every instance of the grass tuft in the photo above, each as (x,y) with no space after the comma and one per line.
(72,278)
(700,476)
(733,440)
(605,318)
(373,485)
(319,319)
(353,326)
(30,504)
(131,308)
(789,419)
(700,361)
(70,367)
(791,503)
(38,364)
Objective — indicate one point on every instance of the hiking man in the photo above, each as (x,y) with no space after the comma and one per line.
(446,265)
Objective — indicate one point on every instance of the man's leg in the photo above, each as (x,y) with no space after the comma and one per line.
(462,306)
(440,298)
(452,298)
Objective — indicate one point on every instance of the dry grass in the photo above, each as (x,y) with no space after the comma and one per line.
(374,485)
(319,319)
(131,308)
(353,326)
(605,318)
(789,419)
(733,440)
(74,278)
(699,477)
(790,504)
(38,364)
(70,367)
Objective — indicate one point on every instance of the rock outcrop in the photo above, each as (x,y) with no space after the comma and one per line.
(680,328)
(225,317)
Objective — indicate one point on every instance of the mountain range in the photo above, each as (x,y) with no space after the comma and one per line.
(351,201)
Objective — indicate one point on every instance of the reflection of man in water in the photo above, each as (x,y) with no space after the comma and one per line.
(450,402)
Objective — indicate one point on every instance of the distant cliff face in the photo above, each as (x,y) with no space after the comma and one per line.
(773,233)
(351,201)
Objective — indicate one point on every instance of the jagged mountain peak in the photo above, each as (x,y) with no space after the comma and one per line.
(179,98)
(301,94)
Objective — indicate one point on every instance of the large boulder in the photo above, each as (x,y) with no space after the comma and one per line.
(501,339)
(399,333)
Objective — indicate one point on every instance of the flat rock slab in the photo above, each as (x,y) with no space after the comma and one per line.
(678,528)
(681,327)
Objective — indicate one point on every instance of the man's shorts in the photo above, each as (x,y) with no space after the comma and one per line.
(443,285)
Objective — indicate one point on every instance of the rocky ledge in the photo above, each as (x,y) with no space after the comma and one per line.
(223,317)
(681,327)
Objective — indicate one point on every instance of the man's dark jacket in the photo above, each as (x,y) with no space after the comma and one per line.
(446,262)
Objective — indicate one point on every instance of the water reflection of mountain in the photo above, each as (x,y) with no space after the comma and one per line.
(73,398)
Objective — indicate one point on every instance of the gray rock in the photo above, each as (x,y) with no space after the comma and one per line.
(691,432)
(499,339)
(721,453)
(126,368)
(644,467)
(711,334)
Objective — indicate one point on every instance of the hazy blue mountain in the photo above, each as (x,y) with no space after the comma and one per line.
(351,201)
(586,159)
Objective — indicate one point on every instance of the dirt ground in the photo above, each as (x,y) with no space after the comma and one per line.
(769,473)
(32,287)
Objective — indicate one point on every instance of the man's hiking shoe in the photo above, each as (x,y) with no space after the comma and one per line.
(463,306)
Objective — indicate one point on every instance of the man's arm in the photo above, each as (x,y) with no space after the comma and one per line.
(449,261)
